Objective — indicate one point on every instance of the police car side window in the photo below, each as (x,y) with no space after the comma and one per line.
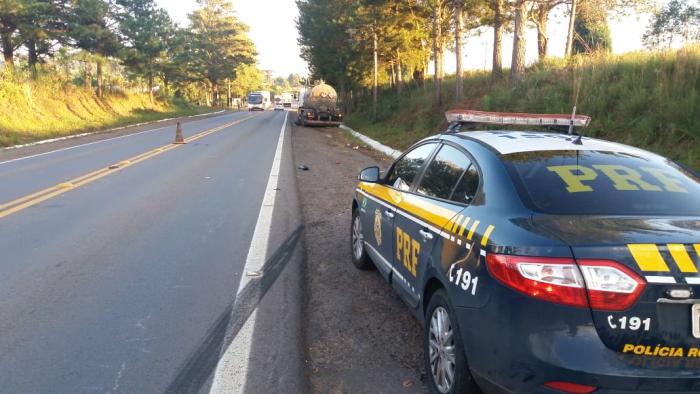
(466,188)
(443,173)
(405,171)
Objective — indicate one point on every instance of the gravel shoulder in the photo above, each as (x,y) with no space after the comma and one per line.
(360,337)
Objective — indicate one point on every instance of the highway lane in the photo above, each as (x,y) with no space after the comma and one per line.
(65,164)
(110,287)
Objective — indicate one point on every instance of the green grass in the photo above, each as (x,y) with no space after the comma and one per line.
(646,99)
(50,108)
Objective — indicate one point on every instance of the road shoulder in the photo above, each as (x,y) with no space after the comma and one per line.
(360,336)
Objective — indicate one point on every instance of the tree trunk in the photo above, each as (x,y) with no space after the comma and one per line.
(497,71)
(437,53)
(375,70)
(8,51)
(87,76)
(459,29)
(32,57)
(542,37)
(150,87)
(166,87)
(399,73)
(215,93)
(392,80)
(572,22)
(99,78)
(518,65)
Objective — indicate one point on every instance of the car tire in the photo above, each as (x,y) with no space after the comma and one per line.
(445,348)
(297,121)
(357,248)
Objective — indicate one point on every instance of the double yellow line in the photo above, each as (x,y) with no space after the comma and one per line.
(30,200)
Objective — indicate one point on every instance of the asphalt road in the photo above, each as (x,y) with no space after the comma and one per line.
(127,280)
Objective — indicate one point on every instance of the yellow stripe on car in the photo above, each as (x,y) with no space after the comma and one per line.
(682,258)
(648,257)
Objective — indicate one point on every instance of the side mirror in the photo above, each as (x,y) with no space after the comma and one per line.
(369,174)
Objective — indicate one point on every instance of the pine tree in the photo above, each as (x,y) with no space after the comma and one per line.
(220,43)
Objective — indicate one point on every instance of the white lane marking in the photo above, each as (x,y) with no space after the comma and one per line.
(231,371)
(660,279)
(693,281)
(86,144)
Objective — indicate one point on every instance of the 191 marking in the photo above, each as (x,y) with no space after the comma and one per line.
(463,279)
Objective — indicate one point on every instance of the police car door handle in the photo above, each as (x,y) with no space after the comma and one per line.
(389,214)
(426,234)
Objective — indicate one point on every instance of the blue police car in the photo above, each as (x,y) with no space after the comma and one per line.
(539,261)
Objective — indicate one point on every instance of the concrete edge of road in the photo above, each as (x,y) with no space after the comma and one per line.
(378,146)
(74,136)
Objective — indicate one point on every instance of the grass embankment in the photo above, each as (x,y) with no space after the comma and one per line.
(646,99)
(47,108)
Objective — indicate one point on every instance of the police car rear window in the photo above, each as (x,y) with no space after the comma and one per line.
(603,183)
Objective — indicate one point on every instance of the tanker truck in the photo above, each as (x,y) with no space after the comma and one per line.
(320,107)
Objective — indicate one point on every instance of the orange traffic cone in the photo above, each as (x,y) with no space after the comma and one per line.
(178,135)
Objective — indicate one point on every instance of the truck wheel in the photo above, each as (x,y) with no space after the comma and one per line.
(445,360)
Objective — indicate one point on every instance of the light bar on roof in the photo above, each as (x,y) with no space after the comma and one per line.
(511,118)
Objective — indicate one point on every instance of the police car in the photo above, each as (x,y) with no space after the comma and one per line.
(539,261)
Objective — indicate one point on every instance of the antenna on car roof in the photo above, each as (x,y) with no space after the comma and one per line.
(577,141)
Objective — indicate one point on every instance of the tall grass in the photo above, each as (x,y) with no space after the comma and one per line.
(50,107)
(646,99)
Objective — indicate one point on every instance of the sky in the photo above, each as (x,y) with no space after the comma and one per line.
(273,30)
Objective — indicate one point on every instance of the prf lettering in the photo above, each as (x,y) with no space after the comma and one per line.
(407,250)
(622,178)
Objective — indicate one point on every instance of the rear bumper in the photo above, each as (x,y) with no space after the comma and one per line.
(331,123)
(516,344)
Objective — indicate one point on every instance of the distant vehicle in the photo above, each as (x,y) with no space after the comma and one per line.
(320,107)
(539,262)
(259,100)
(286,99)
(279,107)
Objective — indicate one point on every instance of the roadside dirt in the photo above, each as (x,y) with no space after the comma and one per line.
(360,336)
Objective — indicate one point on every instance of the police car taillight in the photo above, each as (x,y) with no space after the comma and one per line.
(604,285)
(611,286)
(510,118)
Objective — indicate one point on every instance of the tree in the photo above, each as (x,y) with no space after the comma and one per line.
(294,79)
(220,43)
(539,15)
(441,25)
(498,9)
(459,32)
(93,29)
(592,33)
(145,30)
(601,9)
(677,20)
(518,61)
(10,14)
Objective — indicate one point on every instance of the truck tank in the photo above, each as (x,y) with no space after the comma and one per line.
(320,107)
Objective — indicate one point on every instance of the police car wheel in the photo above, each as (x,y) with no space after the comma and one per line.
(357,239)
(448,371)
